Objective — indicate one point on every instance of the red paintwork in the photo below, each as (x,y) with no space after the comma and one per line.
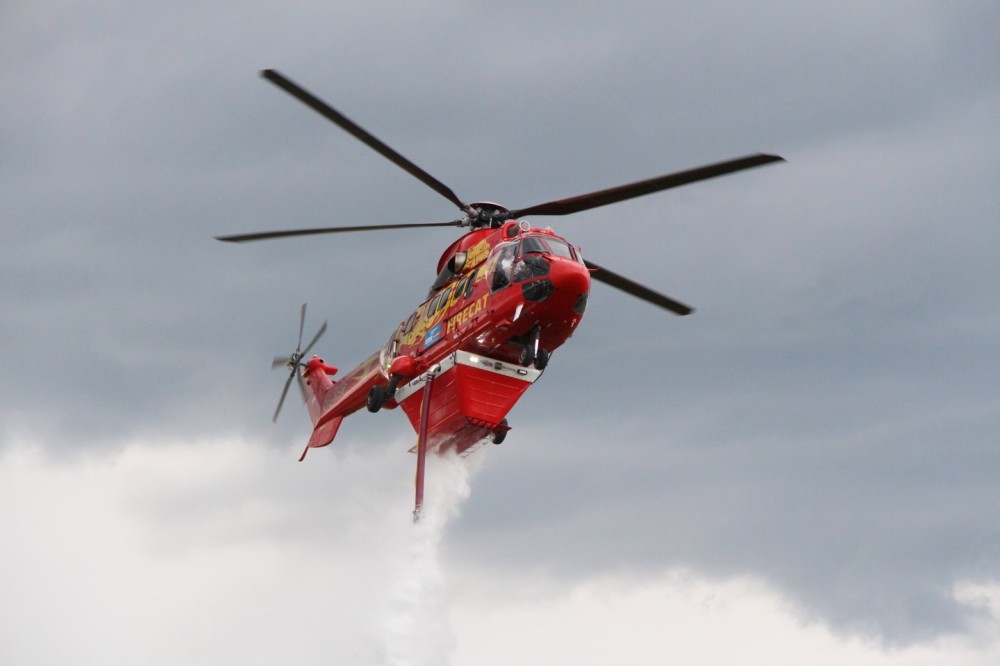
(469,314)
(469,404)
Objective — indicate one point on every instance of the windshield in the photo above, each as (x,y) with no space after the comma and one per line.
(545,245)
(559,248)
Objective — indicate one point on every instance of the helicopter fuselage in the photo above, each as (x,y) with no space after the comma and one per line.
(504,300)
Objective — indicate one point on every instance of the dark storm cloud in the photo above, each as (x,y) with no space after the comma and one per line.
(826,419)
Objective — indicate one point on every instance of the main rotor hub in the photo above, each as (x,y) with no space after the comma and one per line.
(486,215)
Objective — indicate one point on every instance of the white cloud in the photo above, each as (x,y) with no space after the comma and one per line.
(229,552)
(217,553)
(682,618)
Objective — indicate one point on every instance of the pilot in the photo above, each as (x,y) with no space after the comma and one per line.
(501,275)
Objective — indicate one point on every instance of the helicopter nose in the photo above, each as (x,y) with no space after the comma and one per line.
(571,281)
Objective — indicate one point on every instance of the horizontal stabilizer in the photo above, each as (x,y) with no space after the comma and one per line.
(322,435)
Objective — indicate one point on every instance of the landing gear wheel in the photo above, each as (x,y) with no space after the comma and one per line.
(501,433)
(531,353)
(527,356)
(376,398)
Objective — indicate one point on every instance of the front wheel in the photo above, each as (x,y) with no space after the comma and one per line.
(376,398)
(526,357)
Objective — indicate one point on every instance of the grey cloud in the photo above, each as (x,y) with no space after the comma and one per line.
(826,419)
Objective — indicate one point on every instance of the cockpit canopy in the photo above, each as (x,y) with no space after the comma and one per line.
(528,258)
(539,244)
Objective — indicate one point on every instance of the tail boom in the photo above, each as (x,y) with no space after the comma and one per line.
(328,401)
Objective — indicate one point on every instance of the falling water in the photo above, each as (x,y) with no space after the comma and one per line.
(416,631)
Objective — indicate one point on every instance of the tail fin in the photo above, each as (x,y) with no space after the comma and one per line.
(314,381)
(318,384)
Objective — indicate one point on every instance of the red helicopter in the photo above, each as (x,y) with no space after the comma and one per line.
(506,296)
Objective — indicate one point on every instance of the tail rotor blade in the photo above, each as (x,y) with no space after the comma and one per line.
(284,392)
(295,362)
(302,325)
(320,332)
(302,386)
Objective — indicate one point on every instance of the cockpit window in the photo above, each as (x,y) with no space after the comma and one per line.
(559,248)
(531,244)
(547,245)
(502,262)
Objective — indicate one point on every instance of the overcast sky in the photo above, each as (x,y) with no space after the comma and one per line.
(803,470)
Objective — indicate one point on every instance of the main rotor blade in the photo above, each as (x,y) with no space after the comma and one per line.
(617,281)
(361,134)
(267,235)
(642,187)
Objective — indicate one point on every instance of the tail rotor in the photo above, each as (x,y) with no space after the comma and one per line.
(294,362)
